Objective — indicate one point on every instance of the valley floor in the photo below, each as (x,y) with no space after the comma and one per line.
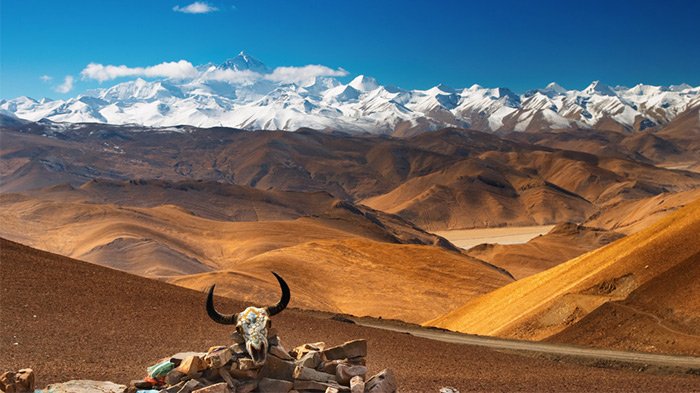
(468,238)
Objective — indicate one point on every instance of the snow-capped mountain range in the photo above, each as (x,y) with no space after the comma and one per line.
(234,94)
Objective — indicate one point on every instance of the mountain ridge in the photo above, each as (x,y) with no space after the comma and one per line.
(242,92)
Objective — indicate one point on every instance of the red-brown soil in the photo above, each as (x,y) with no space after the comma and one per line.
(68,319)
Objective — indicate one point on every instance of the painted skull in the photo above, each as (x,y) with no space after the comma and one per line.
(253,322)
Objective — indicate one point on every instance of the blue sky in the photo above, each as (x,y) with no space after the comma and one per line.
(411,44)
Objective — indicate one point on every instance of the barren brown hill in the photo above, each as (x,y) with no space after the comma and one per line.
(75,318)
(684,131)
(634,215)
(362,251)
(521,189)
(675,145)
(563,242)
(361,277)
(660,316)
(545,304)
(474,193)
(512,182)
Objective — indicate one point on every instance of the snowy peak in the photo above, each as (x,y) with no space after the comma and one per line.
(364,83)
(553,89)
(139,89)
(243,62)
(600,89)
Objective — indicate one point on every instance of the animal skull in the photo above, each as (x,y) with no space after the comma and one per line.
(253,322)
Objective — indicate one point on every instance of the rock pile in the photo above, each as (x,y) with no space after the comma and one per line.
(20,382)
(312,367)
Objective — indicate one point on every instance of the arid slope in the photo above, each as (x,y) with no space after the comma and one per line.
(373,263)
(563,242)
(660,316)
(542,305)
(77,320)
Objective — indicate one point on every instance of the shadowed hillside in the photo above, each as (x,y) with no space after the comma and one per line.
(445,179)
(229,234)
(563,242)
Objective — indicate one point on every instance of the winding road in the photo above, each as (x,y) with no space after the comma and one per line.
(685,362)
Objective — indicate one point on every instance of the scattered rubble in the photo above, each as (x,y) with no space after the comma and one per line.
(308,368)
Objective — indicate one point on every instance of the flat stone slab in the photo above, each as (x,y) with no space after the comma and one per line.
(85,386)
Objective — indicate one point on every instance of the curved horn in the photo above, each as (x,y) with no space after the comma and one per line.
(215,315)
(284,300)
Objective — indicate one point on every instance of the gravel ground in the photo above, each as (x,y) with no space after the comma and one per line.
(68,319)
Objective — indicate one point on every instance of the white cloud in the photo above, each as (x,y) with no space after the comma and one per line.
(198,7)
(66,86)
(175,70)
(241,77)
(185,70)
(302,74)
(46,78)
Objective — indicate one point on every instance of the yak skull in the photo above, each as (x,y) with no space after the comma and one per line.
(253,322)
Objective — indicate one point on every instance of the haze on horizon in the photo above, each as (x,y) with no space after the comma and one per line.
(46,46)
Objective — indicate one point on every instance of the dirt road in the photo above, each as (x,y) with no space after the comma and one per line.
(637,358)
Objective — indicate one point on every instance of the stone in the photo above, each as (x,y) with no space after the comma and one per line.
(383,382)
(191,365)
(216,388)
(246,386)
(238,350)
(300,351)
(244,374)
(273,340)
(24,380)
(277,368)
(318,386)
(171,378)
(344,372)
(218,357)
(269,385)
(312,360)
(226,376)
(179,357)
(173,389)
(211,374)
(247,364)
(85,386)
(350,349)
(141,384)
(215,348)
(309,374)
(358,361)
(7,382)
(329,366)
(237,338)
(190,386)
(357,385)
(280,352)
(207,381)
